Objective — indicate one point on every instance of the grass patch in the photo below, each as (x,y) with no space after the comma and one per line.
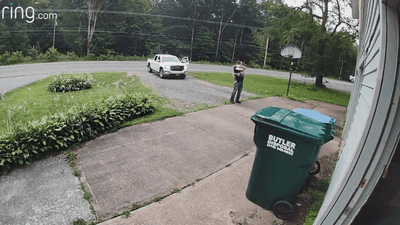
(32,102)
(79,222)
(71,156)
(265,86)
(87,196)
(318,197)
(319,194)
(77,172)
(125,214)
(159,198)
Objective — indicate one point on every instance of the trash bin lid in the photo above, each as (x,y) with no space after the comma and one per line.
(291,121)
(316,116)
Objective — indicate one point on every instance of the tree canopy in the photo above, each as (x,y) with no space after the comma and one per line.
(210,30)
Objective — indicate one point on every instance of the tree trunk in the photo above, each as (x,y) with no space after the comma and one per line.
(88,31)
(320,65)
(321,48)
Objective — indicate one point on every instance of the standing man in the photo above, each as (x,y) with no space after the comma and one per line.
(238,77)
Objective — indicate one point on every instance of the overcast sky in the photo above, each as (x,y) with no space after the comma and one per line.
(295,3)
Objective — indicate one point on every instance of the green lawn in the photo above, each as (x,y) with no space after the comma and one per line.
(33,101)
(265,86)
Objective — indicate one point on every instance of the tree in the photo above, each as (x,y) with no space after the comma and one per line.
(94,7)
(283,25)
(14,29)
(330,19)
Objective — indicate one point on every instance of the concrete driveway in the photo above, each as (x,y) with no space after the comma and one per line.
(139,163)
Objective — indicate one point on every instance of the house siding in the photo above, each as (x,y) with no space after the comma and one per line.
(360,111)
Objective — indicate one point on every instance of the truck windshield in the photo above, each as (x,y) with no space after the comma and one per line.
(170,59)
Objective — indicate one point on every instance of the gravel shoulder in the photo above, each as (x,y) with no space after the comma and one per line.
(188,92)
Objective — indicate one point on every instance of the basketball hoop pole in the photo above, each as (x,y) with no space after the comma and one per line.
(290,77)
(291,52)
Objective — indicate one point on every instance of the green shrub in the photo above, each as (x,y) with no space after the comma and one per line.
(33,52)
(12,58)
(62,130)
(120,57)
(90,57)
(66,84)
(4,58)
(41,58)
(103,57)
(72,56)
(52,55)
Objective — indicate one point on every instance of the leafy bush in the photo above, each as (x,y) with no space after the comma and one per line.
(33,52)
(12,58)
(103,57)
(90,57)
(70,56)
(41,58)
(62,130)
(52,55)
(75,82)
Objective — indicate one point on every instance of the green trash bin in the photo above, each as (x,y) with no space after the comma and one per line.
(329,130)
(326,120)
(288,144)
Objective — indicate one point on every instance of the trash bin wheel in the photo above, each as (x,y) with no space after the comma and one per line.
(316,168)
(283,210)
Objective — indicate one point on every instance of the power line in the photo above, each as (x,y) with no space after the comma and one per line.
(126,33)
(149,15)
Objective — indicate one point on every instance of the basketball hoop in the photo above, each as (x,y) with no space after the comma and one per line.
(291,52)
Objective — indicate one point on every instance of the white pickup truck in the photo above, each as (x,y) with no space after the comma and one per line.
(168,65)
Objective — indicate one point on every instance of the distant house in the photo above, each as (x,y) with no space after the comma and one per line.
(367,174)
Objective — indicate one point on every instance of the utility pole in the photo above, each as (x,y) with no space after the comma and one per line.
(191,43)
(234,47)
(341,69)
(54,32)
(266,50)
(222,30)
(219,34)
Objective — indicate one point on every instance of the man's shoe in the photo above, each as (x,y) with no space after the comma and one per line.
(232,102)
(238,102)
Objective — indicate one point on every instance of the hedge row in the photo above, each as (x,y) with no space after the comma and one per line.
(33,55)
(62,130)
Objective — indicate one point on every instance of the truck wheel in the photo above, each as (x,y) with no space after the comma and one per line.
(316,168)
(161,73)
(283,210)
(149,68)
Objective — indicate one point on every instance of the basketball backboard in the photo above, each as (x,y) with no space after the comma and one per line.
(291,52)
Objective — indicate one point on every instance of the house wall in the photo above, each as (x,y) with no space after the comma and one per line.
(370,132)
(383,205)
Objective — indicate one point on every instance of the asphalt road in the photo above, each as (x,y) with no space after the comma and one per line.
(15,76)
